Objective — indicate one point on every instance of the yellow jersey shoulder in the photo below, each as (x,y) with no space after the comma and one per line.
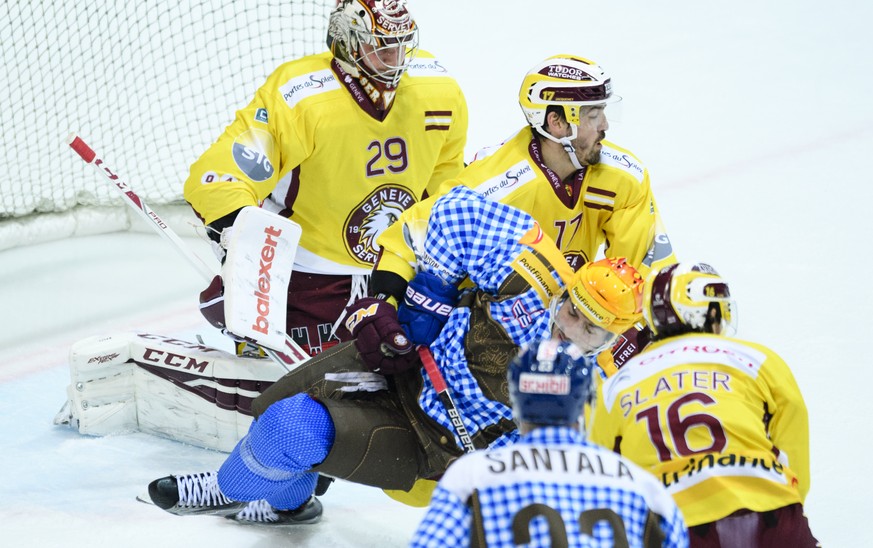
(622,163)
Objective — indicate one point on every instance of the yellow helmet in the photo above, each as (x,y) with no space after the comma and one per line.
(686,297)
(564,80)
(609,292)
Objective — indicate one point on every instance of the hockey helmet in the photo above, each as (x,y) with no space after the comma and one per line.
(373,38)
(606,296)
(549,382)
(565,81)
(689,297)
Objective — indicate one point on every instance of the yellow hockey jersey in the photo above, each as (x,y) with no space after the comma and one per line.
(720,421)
(310,146)
(609,203)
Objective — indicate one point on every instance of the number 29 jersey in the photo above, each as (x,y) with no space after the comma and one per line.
(311,147)
(721,422)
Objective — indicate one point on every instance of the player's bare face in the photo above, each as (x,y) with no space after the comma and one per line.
(592,130)
(571,325)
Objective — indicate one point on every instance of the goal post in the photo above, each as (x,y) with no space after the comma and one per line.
(151,83)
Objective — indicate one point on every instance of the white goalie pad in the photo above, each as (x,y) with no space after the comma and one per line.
(168,387)
(256,274)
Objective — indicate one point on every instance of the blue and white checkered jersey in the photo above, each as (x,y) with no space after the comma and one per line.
(468,235)
(552,485)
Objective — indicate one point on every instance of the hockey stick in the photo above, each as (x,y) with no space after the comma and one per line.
(292,356)
(445,396)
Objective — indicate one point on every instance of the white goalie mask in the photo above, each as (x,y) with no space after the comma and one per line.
(376,39)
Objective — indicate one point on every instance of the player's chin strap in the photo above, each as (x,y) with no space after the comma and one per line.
(566,142)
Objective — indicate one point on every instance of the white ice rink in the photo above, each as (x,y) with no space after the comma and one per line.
(755,120)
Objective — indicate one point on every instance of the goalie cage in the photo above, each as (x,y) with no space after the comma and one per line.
(152,83)
(168,387)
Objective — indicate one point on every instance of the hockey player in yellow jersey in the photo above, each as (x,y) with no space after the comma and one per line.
(719,420)
(340,142)
(583,190)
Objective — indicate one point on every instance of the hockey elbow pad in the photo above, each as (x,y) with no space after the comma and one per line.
(427,304)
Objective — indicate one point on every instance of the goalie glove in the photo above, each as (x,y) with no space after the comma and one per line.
(212,303)
(212,308)
(379,338)
(426,307)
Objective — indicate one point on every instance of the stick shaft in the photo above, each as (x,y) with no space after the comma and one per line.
(292,356)
(445,396)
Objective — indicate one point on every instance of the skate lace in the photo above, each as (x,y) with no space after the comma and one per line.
(200,490)
(259,511)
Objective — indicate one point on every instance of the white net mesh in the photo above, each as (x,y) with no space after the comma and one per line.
(149,85)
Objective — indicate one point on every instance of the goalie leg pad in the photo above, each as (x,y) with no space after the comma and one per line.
(102,394)
(163,386)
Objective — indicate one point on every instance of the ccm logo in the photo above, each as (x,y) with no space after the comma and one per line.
(268,253)
(423,301)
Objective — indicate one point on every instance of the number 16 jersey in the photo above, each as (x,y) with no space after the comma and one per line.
(721,422)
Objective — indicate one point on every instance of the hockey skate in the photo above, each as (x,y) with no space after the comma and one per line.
(192,494)
(260,512)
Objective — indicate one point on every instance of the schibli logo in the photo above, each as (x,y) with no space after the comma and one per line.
(557,385)
(268,253)
(423,301)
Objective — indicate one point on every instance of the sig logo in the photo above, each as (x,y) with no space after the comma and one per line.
(252,151)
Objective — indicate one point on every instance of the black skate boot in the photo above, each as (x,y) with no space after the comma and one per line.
(260,512)
(192,494)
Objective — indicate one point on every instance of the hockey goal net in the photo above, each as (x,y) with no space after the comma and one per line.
(149,85)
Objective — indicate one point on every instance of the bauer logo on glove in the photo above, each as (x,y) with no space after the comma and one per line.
(428,302)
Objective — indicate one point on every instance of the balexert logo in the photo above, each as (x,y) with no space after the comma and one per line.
(268,253)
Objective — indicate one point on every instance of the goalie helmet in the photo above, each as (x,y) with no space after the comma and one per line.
(689,297)
(565,81)
(373,38)
(549,382)
(607,296)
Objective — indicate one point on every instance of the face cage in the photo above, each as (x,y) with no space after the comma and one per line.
(555,305)
(389,74)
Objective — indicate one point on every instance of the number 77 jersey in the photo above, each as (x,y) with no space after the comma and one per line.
(721,422)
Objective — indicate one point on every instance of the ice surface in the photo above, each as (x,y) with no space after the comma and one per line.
(756,122)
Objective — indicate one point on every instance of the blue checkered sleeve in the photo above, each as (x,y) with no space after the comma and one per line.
(469,235)
(446,523)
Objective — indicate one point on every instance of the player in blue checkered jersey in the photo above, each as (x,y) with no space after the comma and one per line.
(552,487)
(364,415)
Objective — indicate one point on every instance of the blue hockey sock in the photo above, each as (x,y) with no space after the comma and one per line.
(292,436)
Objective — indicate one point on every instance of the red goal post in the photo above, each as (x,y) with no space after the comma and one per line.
(151,83)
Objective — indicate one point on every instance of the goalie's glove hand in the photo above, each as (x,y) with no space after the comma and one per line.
(379,338)
(212,308)
(426,307)
(212,303)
